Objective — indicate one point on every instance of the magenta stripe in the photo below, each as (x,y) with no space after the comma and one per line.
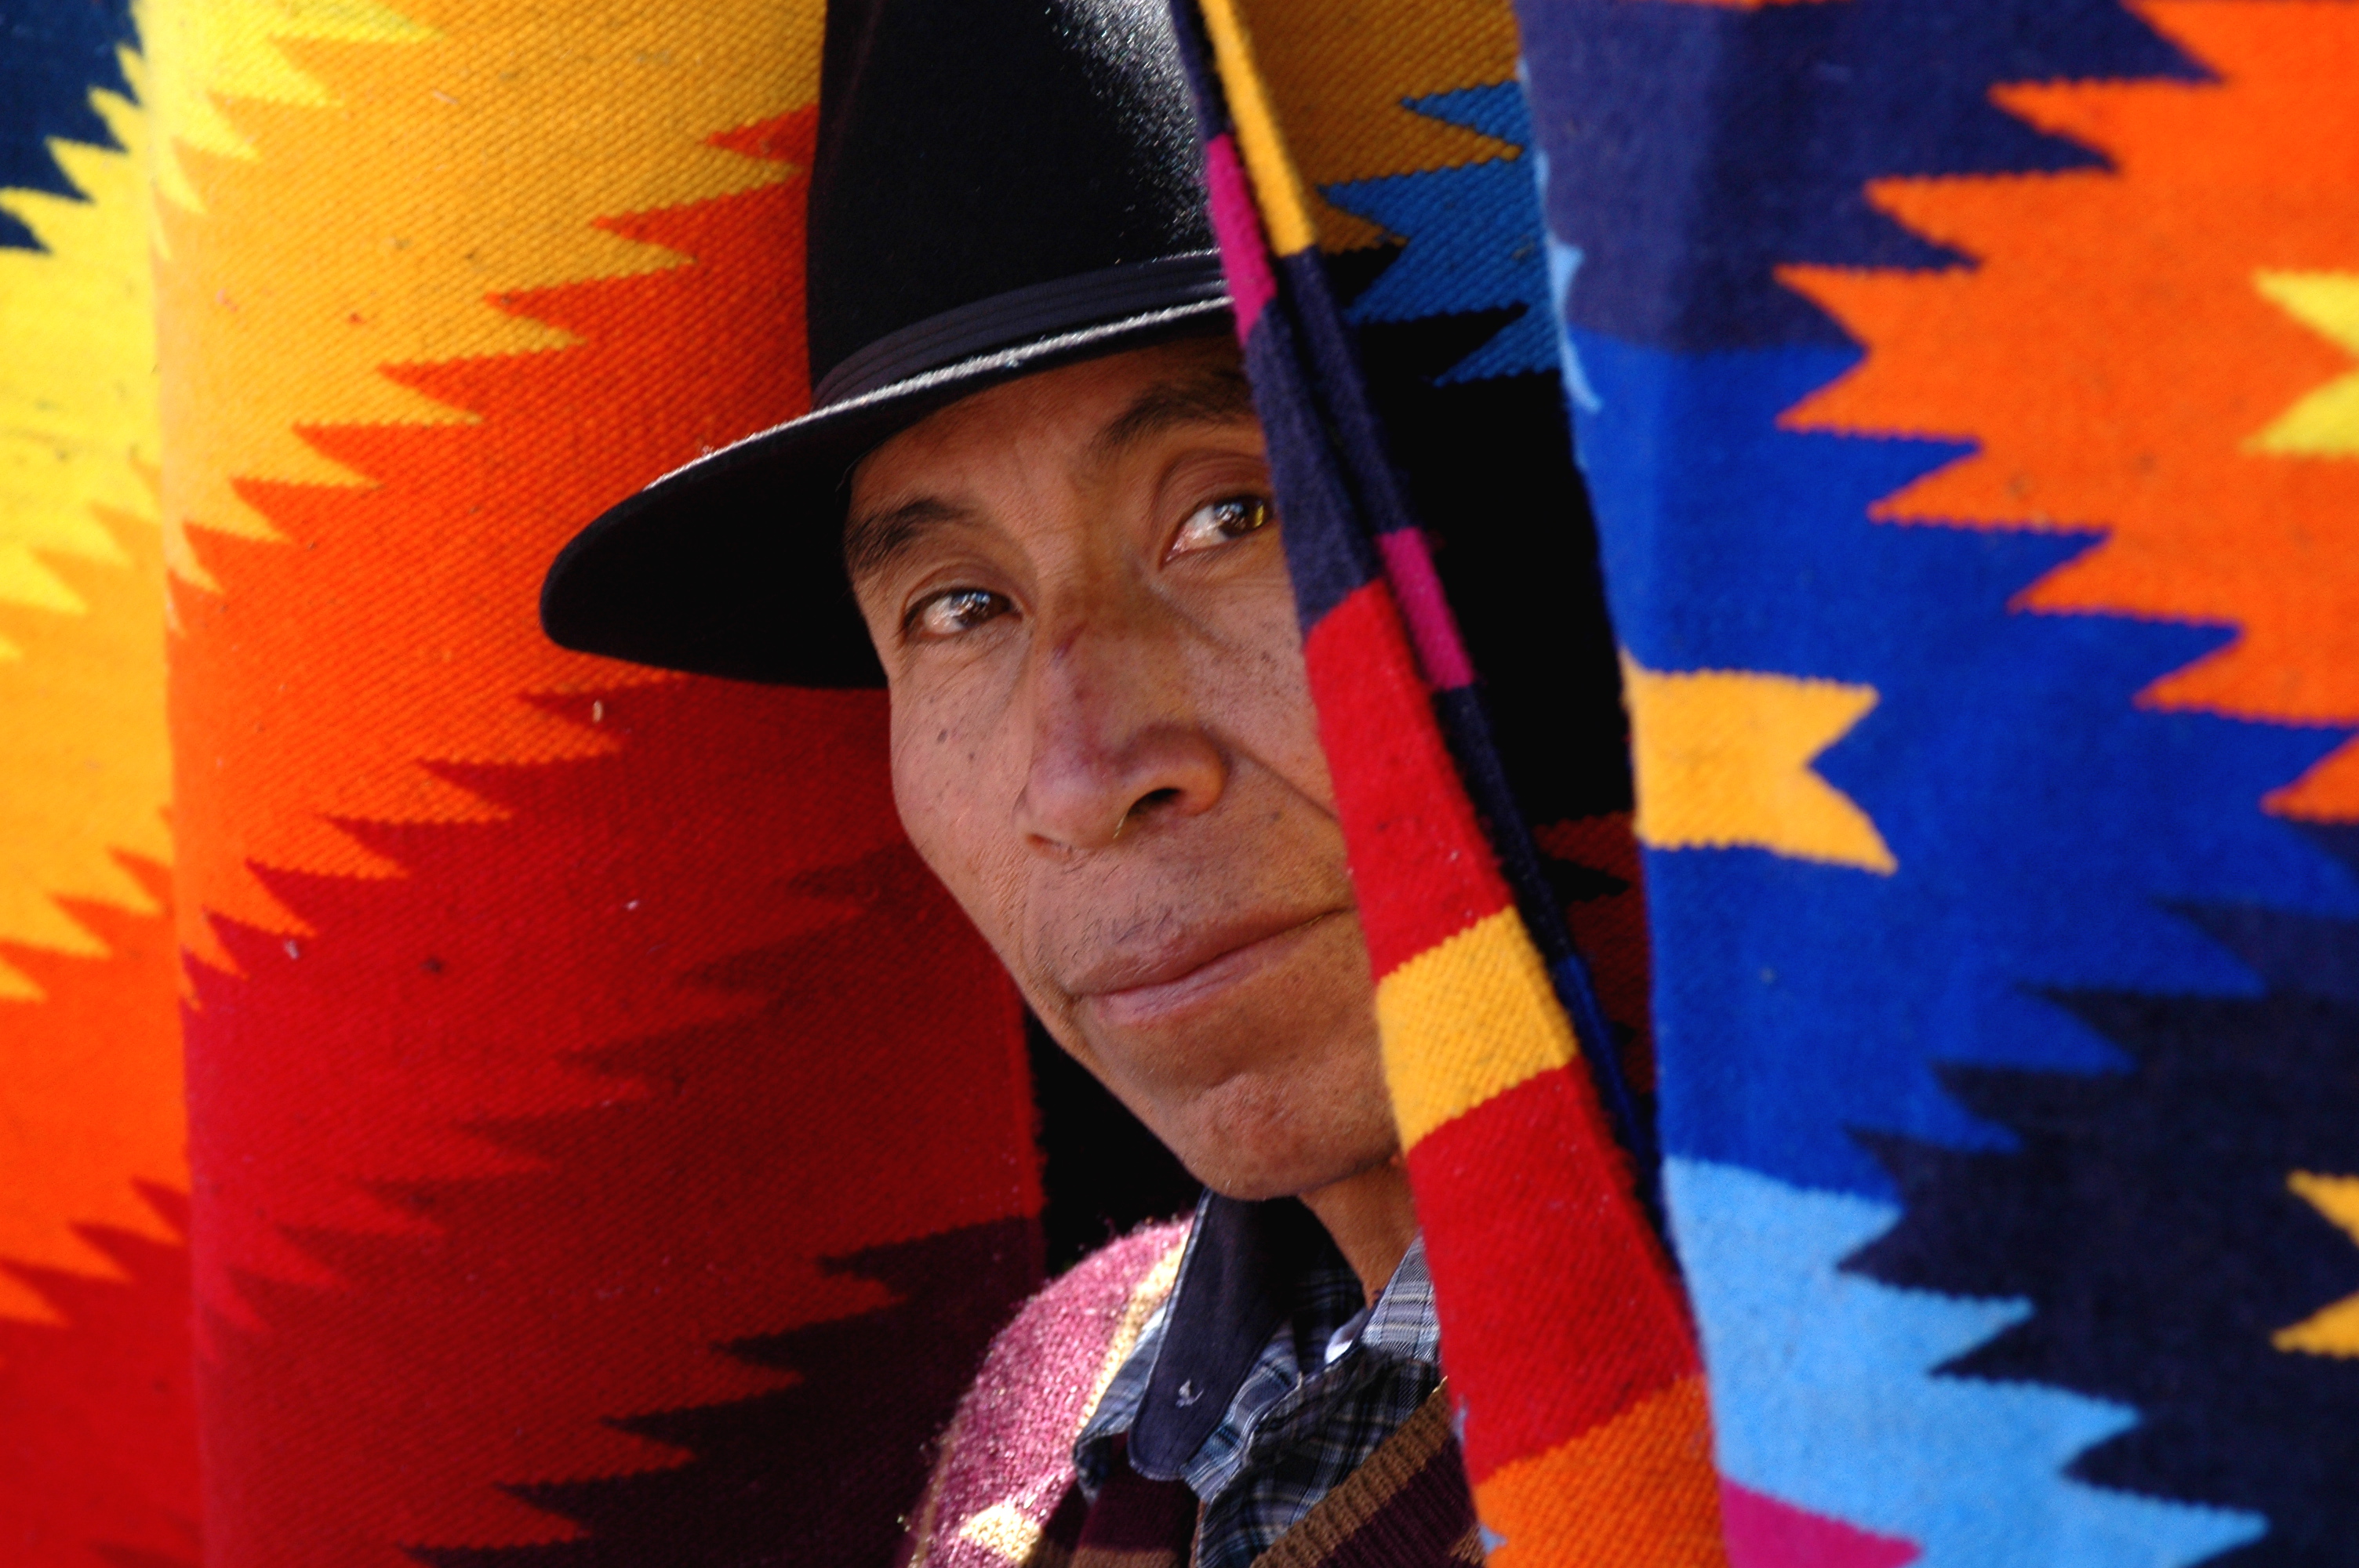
(1244,256)
(1431,626)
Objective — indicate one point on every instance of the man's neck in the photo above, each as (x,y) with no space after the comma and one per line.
(1371,1220)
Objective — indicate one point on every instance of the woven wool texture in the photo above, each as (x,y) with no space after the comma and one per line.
(1966,393)
(1573,1365)
(504,1110)
(97,1425)
(595,1112)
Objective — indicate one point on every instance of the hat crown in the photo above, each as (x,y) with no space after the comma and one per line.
(1000,187)
(972,148)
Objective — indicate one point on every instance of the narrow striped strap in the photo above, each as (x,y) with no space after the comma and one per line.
(1407,1507)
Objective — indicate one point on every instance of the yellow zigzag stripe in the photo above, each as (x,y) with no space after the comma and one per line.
(203,50)
(2326,423)
(209,62)
(1723,758)
(78,377)
(2334,1331)
(1277,188)
(1466,1021)
(473,158)
(1339,80)
(84,768)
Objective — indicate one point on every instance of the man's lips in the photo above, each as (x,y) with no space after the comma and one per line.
(1154,986)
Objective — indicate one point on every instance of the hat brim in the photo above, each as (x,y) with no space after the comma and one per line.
(733,566)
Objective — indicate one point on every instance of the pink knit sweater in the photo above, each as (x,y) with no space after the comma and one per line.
(1006,1459)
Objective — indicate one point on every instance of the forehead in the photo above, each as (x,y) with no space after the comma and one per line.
(1089,413)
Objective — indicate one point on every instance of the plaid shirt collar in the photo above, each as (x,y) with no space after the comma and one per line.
(1261,1382)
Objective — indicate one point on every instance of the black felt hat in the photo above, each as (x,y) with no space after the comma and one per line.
(1000,186)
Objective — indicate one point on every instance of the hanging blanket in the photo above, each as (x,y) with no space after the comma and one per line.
(470,1105)
(1966,392)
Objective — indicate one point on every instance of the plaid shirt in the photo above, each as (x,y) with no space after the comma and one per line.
(1330,1383)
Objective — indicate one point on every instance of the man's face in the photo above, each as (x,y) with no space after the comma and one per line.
(1104,744)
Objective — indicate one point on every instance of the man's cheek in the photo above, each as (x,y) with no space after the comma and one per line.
(1254,678)
(947,807)
(925,791)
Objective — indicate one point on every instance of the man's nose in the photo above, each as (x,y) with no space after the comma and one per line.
(1116,744)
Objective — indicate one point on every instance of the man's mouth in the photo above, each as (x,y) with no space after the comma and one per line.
(1154,988)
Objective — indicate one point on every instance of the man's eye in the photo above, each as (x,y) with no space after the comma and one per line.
(960,610)
(1233,517)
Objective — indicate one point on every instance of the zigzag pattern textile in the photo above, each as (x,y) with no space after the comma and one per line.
(1966,393)
(98,1438)
(1364,175)
(593,1114)
(453,1086)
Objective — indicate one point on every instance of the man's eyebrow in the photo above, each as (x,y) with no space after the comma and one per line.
(1209,397)
(1220,396)
(871,539)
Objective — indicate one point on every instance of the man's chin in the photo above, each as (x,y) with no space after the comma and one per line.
(1253,1137)
(1253,1180)
(1263,1077)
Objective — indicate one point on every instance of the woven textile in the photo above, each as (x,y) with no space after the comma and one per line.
(593,1111)
(585,1077)
(98,1443)
(1575,1371)
(1967,396)
(466,1104)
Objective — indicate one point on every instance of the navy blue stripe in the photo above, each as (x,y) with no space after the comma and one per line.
(1203,80)
(1326,552)
(1693,149)
(52,54)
